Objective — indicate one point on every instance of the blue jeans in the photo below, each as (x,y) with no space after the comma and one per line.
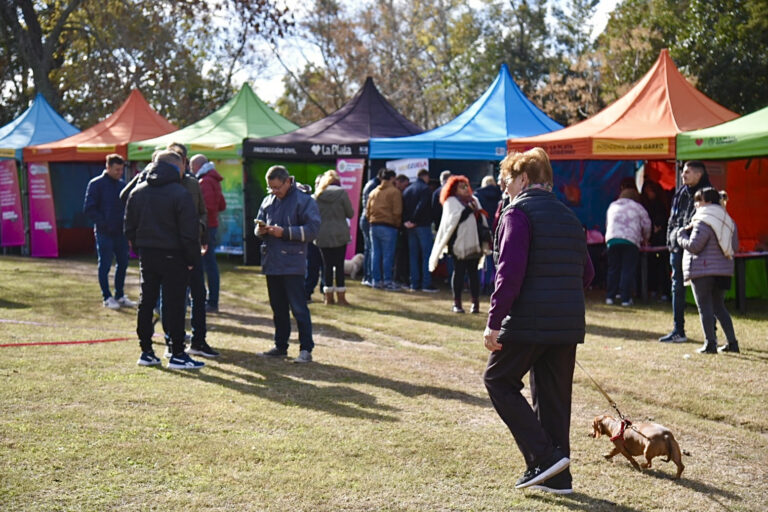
(622,270)
(419,248)
(365,229)
(678,290)
(211,268)
(383,242)
(106,247)
(287,293)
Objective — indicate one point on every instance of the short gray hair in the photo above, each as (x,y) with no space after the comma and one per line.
(170,157)
(277,172)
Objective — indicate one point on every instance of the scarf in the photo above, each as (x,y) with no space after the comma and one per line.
(207,166)
(715,216)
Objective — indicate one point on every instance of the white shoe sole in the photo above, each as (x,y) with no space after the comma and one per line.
(146,363)
(195,352)
(554,469)
(184,367)
(543,487)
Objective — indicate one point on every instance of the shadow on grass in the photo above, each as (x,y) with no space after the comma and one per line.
(290,384)
(9,304)
(695,485)
(244,320)
(438,318)
(578,501)
(621,333)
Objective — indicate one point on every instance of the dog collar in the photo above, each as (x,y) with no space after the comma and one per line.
(624,425)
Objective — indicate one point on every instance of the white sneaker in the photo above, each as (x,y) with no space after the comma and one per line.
(304,357)
(111,303)
(125,302)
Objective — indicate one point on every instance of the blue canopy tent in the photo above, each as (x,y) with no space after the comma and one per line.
(37,125)
(478,133)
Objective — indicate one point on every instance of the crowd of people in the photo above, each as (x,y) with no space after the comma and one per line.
(537,257)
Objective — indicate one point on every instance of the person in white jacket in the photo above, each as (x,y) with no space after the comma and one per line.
(459,236)
(628,227)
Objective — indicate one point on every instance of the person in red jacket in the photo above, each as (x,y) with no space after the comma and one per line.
(210,185)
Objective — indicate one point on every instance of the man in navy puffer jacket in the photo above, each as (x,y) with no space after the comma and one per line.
(287,221)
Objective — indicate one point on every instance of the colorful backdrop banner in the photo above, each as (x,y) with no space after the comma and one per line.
(231,220)
(42,214)
(351,173)
(11,219)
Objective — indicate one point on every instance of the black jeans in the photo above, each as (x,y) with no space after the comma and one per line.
(622,270)
(710,299)
(169,271)
(197,318)
(537,429)
(460,268)
(287,292)
(333,257)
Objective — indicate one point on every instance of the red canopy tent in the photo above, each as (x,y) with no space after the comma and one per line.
(133,121)
(75,160)
(641,125)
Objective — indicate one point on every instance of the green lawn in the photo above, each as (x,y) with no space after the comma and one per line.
(392,415)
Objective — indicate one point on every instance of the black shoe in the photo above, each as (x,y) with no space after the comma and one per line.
(544,470)
(732,348)
(674,337)
(561,483)
(203,349)
(274,352)
(707,348)
(211,308)
(457,309)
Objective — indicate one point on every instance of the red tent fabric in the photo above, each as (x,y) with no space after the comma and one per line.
(133,121)
(641,125)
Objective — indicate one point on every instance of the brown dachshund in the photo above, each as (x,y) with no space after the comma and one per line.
(648,439)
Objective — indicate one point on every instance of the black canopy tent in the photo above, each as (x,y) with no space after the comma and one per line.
(312,149)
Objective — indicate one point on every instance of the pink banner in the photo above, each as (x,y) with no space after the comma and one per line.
(42,214)
(351,173)
(11,219)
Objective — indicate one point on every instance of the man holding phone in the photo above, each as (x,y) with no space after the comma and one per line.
(287,222)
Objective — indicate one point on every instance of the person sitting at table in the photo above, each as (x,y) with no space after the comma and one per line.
(709,242)
(627,227)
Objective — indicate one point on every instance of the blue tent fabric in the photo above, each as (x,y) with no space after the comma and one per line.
(478,133)
(37,125)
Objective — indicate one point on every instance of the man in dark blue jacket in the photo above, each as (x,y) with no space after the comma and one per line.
(163,227)
(417,217)
(104,208)
(288,220)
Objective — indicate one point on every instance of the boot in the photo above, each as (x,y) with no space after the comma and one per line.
(709,347)
(457,306)
(475,306)
(341,298)
(732,347)
(328,299)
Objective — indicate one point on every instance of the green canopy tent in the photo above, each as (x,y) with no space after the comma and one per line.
(736,156)
(220,137)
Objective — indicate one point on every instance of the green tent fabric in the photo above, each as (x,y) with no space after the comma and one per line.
(741,138)
(220,135)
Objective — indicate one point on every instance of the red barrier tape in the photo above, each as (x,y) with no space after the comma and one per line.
(62,342)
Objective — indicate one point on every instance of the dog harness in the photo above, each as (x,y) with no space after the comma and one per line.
(624,424)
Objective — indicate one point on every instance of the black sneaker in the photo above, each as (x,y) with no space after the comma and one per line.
(561,483)
(544,470)
(673,337)
(203,349)
(274,352)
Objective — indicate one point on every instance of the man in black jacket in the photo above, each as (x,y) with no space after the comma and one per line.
(162,226)
(417,217)
(693,177)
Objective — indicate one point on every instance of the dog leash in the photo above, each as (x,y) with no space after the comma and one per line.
(624,420)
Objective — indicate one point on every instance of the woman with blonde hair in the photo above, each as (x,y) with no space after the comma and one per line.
(536,318)
(333,237)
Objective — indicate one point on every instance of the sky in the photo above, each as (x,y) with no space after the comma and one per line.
(270,86)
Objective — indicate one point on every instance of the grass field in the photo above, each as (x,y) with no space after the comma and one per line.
(393,414)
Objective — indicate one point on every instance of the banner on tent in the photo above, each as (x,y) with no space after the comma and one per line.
(8,152)
(42,214)
(408,166)
(658,146)
(11,219)
(351,173)
(231,219)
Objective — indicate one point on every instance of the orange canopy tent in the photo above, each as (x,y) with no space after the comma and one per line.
(133,121)
(641,125)
(73,161)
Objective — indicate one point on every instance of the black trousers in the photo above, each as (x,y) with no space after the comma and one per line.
(540,427)
(333,257)
(198,293)
(161,269)
(460,268)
